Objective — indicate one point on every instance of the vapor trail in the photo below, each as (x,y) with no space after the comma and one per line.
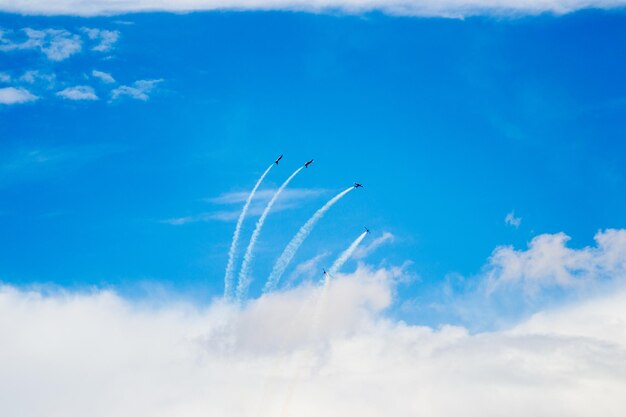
(228,277)
(343,258)
(244,280)
(283,261)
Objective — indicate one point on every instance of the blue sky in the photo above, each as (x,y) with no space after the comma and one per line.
(489,135)
(450,124)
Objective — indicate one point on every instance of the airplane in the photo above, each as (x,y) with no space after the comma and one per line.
(367,230)
(278,160)
(357,185)
(306,165)
(324,271)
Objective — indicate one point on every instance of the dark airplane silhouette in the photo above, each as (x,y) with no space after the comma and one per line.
(367,230)
(357,185)
(306,165)
(278,160)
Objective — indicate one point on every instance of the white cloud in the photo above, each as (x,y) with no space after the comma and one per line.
(105,38)
(442,8)
(548,262)
(105,77)
(56,44)
(139,90)
(79,92)
(71,354)
(510,219)
(12,95)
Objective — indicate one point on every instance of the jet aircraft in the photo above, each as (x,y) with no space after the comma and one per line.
(278,160)
(357,185)
(306,165)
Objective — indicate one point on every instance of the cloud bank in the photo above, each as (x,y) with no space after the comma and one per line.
(441,8)
(75,354)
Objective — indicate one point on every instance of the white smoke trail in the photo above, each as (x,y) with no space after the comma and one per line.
(319,307)
(283,261)
(343,258)
(228,277)
(244,280)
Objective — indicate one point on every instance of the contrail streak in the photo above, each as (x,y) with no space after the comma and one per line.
(244,280)
(283,261)
(228,278)
(343,258)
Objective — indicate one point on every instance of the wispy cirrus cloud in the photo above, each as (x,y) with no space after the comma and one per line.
(263,196)
(439,8)
(289,199)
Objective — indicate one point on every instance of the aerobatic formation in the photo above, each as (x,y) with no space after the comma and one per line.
(283,261)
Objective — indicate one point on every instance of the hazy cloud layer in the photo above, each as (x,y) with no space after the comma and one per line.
(292,353)
(445,8)
(29,163)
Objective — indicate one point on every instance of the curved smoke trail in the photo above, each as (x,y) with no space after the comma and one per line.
(244,280)
(319,307)
(228,278)
(283,261)
(343,258)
